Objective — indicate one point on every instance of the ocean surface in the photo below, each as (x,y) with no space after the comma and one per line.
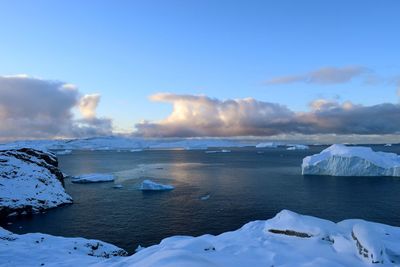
(214,193)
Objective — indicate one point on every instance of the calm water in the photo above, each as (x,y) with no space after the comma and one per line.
(243,185)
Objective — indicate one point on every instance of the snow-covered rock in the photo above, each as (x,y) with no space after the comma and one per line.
(30,181)
(288,239)
(46,250)
(297,147)
(150,185)
(341,160)
(93,178)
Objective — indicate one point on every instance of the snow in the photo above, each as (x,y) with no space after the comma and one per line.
(30,181)
(297,147)
(288,239)
(341,160)
(150,185)
(46,250)
(93,178)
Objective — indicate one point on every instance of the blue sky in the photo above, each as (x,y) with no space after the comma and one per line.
(129,50)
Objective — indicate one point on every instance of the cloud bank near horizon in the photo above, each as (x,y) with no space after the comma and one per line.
(201,116)
(37,108)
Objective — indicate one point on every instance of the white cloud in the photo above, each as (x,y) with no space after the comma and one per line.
(195,116)
(36,108)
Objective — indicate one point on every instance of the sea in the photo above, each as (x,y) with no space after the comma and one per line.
(214,193)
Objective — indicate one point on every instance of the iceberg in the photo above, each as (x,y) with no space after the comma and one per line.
(268,145)
(288,239)
(341,160)
(297,147)
(148,185)
(30,181)
(93,178)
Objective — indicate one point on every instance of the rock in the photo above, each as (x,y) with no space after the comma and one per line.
(30,181)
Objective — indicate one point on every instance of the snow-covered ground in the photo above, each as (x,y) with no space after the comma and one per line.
(93,178)
(341,160)
(148,185)
(30,181)
(46,250)
(289,239)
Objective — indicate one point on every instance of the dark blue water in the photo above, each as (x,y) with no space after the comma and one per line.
(243,185)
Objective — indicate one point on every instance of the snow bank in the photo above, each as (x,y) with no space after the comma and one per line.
(47,250)
(93,178)
(288,239)
(30,181)
(341,160)
(150,185)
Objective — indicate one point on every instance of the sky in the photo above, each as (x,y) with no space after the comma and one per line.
(198,68)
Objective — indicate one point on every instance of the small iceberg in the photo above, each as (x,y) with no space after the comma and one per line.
(93,178)
(341,160)
(268,145)
(136,150)
(117,186)
(388,145)
(297,147)
(64,152)
(205,197)
(148,185)
(218,151)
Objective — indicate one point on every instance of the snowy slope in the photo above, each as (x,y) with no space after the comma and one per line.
(46,250)
(30,181)
(289,239)
(341,160)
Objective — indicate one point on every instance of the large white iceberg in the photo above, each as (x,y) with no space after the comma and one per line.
(148,185)
(93,178)
(30,181)
(341,160)
(288,239)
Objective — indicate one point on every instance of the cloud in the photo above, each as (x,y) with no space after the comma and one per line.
(325,76)
(88,105)
(37,108)
(198,116)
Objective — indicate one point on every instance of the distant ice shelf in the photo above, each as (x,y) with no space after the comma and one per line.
(341,160)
